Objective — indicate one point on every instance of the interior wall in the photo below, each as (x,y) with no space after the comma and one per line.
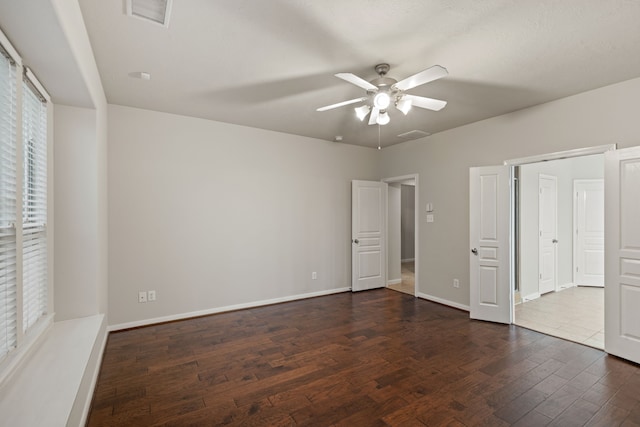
(408,222)
(176,226)
(566,171)
(76,213)
(603,116)
(83,272)
(394,232)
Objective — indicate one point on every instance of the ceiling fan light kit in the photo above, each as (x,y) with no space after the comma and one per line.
(362,111)
(383,91)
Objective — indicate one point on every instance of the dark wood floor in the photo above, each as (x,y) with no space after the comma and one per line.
(374,358)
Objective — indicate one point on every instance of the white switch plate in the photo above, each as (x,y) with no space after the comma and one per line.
(142,296)
(430,218)
(314,275)
(429,207)
(151,296)
(456,283)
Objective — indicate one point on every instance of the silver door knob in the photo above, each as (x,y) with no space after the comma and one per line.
(356,241)
(474,251)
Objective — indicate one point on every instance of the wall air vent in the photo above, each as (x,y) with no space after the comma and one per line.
(156,11)
(414,134)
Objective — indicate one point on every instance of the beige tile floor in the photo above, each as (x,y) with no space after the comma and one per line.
(408,279)
(575,314)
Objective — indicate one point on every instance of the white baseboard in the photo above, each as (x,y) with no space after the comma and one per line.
(181,316)
(567,286)
(394,282)
(530,297)
(443,301)
(407,260)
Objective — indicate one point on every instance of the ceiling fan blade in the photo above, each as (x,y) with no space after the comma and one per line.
(353,79)
(341,104)
(428,103)
(430,74)
(373,118)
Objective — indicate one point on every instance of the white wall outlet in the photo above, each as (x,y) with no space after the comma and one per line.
(151,296)
(456,283)
(314,275)
(142,296)
(430,218)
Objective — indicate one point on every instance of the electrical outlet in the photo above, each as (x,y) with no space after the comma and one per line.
(142,296)
(314,275)
(151,296)
(456,283)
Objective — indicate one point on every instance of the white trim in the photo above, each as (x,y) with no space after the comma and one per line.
(531,297)
(407,260)
(443,301)
(7,46)
(181,316)
(19,356)
(94,378)
(394,282)
(561,155)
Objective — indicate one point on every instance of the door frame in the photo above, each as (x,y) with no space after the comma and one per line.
(579,152)
(416,218)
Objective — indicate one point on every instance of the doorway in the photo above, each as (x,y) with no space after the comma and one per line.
(552,298)
(402,229)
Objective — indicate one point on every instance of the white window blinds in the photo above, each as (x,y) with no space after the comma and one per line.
(8,209)
(34,205)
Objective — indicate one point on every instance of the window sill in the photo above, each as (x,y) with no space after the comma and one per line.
(44,388)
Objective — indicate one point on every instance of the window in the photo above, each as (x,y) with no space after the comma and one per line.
(24,298)
(8,282)
(34,205)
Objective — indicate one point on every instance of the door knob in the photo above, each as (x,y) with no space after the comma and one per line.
(356,241)
(474,251)
(554,241)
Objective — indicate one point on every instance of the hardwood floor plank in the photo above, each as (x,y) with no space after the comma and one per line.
(375,358)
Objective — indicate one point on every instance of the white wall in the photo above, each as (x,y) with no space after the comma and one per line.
(408,222)
(394,236)
(72,23)
(566,171)
(76,213)
(603,116)
(211,215)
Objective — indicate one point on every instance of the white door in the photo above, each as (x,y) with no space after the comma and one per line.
(547,233)
(622,253)
(490,293)
(368,219)
(589,232)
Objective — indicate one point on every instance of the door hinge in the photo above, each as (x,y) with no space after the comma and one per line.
(576,269)
(540,276)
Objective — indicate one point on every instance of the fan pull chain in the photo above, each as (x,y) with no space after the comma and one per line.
(379,137)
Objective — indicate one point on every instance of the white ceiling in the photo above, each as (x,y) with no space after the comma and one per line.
(270,64)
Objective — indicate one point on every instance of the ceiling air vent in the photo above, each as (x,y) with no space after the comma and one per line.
(414,134)
(156,11)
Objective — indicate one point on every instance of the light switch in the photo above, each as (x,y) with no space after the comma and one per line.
(429,218)
(429,207)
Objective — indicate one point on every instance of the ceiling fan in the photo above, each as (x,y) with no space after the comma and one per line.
(384,91)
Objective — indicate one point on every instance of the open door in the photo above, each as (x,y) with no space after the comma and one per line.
(622,253)
(368,243)
(489,266)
